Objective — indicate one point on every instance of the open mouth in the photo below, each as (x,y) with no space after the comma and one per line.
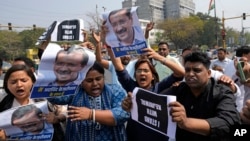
(20,92)
(95,91)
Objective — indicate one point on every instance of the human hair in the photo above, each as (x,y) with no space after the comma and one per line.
(1,63)
(198,57)
(6,103)
(163,43)
(27,61)
(142,60)
(128,13)
(98,67)
(22,111)
(242,50)
(222,49)
(79,49)
(186,49)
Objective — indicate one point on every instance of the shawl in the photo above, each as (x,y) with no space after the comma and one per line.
(87,130)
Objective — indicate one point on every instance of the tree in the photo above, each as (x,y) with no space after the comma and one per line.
(14,44)
(211,30)
(182,32)
(232,37)
(9,44)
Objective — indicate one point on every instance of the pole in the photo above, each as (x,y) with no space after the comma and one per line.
(216,24)
(242,33)
(223,29)
(97,20)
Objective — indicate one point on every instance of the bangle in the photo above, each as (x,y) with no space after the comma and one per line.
(90,114)
(93,117)
(163,61)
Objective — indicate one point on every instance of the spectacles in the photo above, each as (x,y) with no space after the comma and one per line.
(142,70)
(164,49)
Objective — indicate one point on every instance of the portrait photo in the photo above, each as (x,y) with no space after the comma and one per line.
(125,35)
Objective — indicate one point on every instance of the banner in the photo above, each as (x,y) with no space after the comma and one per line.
(68,30)
(151,110)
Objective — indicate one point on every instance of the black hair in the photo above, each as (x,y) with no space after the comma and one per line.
(198,57)
(185,49)
(222,49)
(98,67)
(242,50)
(27,61)
(40,53)
(128,12)
(7,102)
(142,60)
(1,63)
(163,43)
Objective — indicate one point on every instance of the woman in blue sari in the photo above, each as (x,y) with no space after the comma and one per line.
(95,111)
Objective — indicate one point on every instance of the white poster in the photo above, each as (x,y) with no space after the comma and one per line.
(125,35)
(61,71)
(26,122)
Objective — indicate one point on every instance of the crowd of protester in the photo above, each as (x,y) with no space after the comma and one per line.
(211,96)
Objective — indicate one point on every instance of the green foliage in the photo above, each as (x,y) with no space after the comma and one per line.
(199,29)
(182,32)
(13,44)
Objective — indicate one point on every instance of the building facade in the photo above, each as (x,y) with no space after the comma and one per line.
(155,10)
(179,8)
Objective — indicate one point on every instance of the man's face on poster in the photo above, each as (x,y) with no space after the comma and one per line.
(30,122)
(67,66)
(123,26)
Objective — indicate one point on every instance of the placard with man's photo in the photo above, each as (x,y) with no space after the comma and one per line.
(27,123)
(61,70)
(125,35)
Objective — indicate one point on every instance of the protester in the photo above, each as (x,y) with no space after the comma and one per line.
(196,120)
(163,49)
(95,111)
(185,52)
(25,61)
(245,114)
(18,82)
(122,24)
(221,62)
(231,70)
(204,110)
(126,61)
(145,77)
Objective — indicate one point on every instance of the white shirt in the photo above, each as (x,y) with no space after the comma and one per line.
(164,71)
(222,64)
